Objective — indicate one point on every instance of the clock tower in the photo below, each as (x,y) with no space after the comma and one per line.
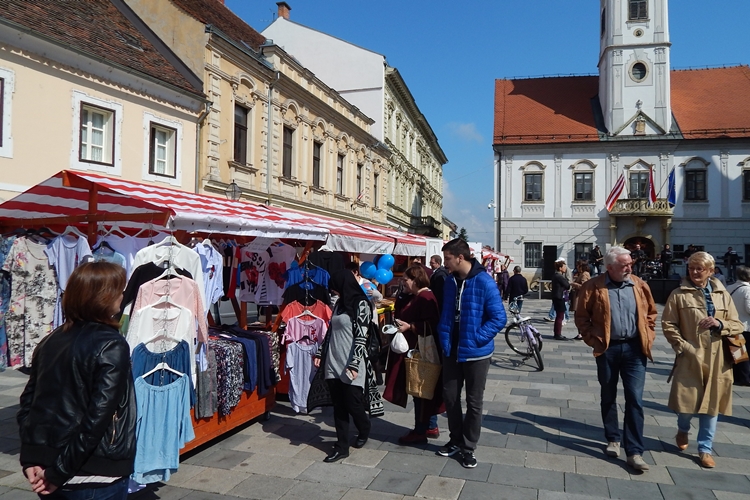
(634,68)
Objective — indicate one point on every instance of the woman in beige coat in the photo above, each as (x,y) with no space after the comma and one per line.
(695,318)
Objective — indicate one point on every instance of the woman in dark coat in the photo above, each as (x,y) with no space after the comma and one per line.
(343,359)
(560,285)
(417,318)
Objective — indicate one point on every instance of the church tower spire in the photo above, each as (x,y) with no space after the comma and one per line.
(634,67)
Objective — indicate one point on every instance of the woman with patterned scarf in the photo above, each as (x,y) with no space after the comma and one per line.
(348,373)
(695,318)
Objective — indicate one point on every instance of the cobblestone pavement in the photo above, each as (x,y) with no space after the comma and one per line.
(541,439)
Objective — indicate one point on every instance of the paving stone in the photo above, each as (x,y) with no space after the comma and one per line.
(161,491)
(727,495)
(308,491)
(548,461)
(263,487)
(288,467)
(416,464)
(525,392)
(441,488)
(581,484)
(678,460)
(215,480)
(357,494)
(221,459)
(620,488)
(483,491)
(16,494)
(656,474)
(526,478)
(732,450)
(575,447)
(365,458)
(603,466)
(681,492)
(16,480)
(454,469)
(270,446)
(342,474)
(184,473)
(494,439)
(526,443)
(391,481)
(711,479)
(500,455)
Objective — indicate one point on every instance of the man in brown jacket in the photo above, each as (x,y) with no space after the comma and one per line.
(616,315)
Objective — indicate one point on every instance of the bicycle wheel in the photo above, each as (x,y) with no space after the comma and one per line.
(535,350)
(515,341)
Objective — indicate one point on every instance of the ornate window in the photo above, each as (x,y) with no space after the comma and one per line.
(288,151)
(317,147)
(696,179)
(583,180)
(340,159)
(533,182)
(638,10)
(638,184)
(240,134)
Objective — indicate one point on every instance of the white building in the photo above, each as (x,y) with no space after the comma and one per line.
(364,78)
(562,143)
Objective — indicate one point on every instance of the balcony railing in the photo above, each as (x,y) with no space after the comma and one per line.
(641,208)
(426,225)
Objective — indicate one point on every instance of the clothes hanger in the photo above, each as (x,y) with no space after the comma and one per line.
(161,335)
(116,229)
(102,245)
(73,231)
(162,366)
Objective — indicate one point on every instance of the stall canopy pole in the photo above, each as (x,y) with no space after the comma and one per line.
(93,204)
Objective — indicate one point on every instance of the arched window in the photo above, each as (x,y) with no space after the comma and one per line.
(583,180)
(638,10)
(638,174)
(533,182)
(696,179)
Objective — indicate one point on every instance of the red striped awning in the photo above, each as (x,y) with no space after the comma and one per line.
(65,199)
(67,196)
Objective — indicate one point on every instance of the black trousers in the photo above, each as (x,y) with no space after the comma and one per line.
(348,400)
(464,428)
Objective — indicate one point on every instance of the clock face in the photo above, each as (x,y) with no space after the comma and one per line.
(638,72)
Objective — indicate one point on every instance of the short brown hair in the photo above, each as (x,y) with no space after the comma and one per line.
(417,273)
(92,289)
(559,265)
(457,247)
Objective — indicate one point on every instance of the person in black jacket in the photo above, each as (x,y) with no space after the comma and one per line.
(77,413)
(560,285)
(437,280)
(517,287)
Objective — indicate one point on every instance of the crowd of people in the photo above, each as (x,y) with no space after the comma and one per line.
(77,417)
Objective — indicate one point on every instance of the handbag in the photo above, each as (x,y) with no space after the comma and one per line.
(735,348)
(423,369)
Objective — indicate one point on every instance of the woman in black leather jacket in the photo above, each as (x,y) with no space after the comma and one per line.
(77,413)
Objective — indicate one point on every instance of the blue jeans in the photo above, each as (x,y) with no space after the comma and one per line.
(706,429)
(422,427)
(115,491)
(552,312)
(623,360)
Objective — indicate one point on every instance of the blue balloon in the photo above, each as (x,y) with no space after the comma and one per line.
(367,269)
(386,262)
(383,276)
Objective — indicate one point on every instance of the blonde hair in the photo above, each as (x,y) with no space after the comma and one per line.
(704,259)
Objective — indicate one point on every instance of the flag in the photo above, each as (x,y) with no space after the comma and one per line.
(651,188)
(616,192)
(672,193)
(360,195)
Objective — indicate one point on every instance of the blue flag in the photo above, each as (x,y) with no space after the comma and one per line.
(672,194)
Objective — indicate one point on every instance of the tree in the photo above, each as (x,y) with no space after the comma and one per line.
(462,234)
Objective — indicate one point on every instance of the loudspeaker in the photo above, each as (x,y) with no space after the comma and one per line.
(549,255)
(661,289)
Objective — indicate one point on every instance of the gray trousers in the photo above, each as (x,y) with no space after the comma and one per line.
(464,429)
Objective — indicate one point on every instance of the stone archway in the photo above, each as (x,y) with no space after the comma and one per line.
(647,245)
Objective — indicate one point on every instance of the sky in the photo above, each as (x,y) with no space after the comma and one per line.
(450,53)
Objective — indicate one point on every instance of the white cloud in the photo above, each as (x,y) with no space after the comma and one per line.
(467,132)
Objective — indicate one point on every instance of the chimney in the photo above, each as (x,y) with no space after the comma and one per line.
(284,9)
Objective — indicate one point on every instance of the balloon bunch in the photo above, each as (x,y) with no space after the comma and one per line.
(381,272)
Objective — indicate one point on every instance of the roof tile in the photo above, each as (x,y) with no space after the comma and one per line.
(215,13)
(707,103)
(98,28)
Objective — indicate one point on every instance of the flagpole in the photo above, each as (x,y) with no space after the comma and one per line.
(662,184)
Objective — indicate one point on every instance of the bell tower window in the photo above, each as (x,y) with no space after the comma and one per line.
(638,10)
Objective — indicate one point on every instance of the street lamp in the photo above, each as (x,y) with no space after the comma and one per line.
(233,191)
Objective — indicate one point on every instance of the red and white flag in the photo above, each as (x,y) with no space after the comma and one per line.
(614,195)
(651,188)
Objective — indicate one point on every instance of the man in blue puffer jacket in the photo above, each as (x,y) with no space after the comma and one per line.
(473,314)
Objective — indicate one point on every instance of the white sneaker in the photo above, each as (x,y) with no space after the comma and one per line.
(613,449)
(565,322)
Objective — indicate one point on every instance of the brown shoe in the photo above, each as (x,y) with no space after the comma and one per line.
(682,440)
(707,460)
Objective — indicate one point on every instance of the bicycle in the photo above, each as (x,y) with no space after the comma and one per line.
(522,337)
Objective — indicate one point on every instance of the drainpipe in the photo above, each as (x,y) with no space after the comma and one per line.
(201,118)
(269,138)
